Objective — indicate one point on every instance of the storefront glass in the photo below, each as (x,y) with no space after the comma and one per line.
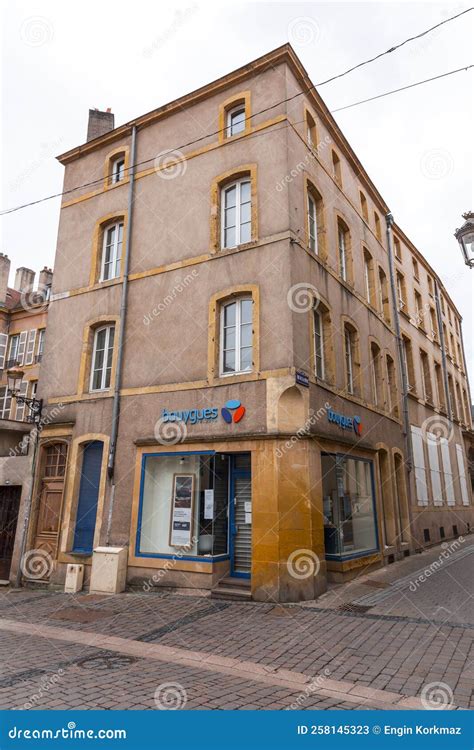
(348,505)
(184,505)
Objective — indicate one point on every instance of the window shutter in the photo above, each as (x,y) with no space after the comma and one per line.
(20,408)
(419,461)
(462,474)
(433,460)
(448,473)
(22,347)
(88,497)
(30,347)
(5,403)
(3,349)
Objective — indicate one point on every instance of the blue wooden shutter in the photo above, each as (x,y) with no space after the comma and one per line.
(88,496)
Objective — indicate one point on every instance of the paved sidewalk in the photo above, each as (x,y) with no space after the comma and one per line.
(375,643)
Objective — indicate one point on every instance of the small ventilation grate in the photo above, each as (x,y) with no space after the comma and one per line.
(355,608)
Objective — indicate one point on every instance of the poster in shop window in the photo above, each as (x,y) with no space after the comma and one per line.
(182,503)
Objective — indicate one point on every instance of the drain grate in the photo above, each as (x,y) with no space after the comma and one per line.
(106,662)
(350,607)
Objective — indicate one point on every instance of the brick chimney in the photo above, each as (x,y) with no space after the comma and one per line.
(99,123)
(45,278)
(24,279)
(4,274)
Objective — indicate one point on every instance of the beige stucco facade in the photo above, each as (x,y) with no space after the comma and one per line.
(179,279)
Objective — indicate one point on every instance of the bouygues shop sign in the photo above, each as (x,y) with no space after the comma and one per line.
(346,423)
(231,412)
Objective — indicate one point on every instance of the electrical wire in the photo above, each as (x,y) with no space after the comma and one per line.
(4,212)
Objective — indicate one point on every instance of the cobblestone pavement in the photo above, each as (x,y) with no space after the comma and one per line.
(397,638)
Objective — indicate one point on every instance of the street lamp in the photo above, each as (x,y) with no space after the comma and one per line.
(14,380)
(465,237)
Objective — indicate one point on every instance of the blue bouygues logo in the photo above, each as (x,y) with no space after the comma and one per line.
(347,423)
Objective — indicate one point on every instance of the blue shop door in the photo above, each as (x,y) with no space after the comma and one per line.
(241,516)
(88,497)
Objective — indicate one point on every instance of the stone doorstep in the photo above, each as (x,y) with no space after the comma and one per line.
(296,681)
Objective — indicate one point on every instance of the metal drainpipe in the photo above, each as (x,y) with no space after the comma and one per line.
(444,364)
(121,337)
(401,358)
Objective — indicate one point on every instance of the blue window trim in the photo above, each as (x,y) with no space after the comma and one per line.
(364,553)
(159,555)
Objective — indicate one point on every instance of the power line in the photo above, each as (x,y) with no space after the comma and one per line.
(403,88)
(397,46)
(262,111)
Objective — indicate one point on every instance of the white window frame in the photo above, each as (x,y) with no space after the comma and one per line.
(116,258)
(367,279)
(117,172)
(312,219)
(238,209)
(230,114)
(108,329)
(15,337)
(341,241)
(401,300)
(319,354)
(348,353)
(238,334)
(41,337)
(374,375)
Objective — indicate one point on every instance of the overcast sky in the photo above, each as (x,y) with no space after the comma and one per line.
(59,59)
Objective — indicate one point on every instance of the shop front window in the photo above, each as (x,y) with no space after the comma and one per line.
(348,506)
(184,505)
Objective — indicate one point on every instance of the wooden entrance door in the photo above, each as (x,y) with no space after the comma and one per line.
(52,488)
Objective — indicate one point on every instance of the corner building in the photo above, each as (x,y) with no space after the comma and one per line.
(232,302)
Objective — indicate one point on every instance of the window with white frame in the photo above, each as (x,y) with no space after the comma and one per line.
(236,214)
(236,336)
(40,350)
(102,356)
(235,120)
(112,252)
(13,351)
(342,251)
(349,356)
(319,344)
(117,171)
(312,224)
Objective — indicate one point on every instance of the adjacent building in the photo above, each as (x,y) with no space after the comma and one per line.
(23,315)
(262,381)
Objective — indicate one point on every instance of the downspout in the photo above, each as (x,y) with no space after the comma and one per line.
(401,358)
(444,363)
(121,337)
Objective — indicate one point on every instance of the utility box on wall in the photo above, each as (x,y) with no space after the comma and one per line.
(109,570)
(74,579)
